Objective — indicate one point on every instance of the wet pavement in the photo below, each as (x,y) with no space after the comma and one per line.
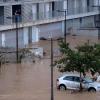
(31,81)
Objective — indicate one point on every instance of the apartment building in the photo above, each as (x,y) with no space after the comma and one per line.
(40,18)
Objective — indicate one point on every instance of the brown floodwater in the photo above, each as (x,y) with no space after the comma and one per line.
(31,81)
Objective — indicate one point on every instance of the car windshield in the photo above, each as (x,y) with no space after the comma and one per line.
(88,80)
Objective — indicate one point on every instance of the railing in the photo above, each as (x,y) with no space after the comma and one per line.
(34,17)
(4,1)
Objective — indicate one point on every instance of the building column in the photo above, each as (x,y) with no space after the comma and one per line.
(25,35)
(34,11)
(7,13)
(3,39)
(75,6)
(41,11)
(47,10)
(27,12)
(96,3)
(84,7)
(35,34)
(65,4)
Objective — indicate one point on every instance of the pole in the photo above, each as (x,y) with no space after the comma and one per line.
(16,21)
(52,93)
(99,24)
(65,28)
(65,13)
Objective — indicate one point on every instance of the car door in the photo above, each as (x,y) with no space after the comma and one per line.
(86,82)
(69,82)
(76,84)
(85,85)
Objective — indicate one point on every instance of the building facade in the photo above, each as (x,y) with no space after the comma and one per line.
(39,18)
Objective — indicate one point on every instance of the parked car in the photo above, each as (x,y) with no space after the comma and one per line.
(72,81)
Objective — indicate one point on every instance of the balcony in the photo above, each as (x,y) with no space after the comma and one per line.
(6,1)
(28,19)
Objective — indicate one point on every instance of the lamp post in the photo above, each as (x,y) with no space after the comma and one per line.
(65,13)
(15,17)
(52,92)
(16,21)
(52,65)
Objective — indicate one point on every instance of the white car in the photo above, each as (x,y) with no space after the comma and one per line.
(72,81)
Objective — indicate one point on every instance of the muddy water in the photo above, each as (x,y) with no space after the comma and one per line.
(31,81)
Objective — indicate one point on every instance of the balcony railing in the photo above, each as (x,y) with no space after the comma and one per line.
(36,17)
(3,1)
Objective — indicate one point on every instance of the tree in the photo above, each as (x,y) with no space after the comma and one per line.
(80,59)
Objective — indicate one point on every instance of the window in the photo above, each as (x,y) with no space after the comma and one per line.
(53,6)
(88,3)
(16,8)
(77,79)
(96,21)
(37,10)
(1,15)
(69,78)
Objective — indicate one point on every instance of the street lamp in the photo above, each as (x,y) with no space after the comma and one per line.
(16,21)
(52,92)
(16,17)
(65,13)
(52,65)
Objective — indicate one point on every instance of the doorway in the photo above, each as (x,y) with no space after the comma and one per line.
(16,9)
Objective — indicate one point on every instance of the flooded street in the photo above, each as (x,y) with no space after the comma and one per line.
(31,81)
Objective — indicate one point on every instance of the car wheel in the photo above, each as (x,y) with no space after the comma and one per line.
(92,90)
(62,87)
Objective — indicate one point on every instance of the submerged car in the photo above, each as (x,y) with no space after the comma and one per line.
(72,81)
